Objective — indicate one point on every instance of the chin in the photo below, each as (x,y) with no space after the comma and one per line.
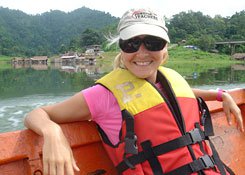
(143,76)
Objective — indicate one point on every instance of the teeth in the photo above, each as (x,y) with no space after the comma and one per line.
(145,63)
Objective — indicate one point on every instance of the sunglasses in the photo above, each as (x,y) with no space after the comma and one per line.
(151,43)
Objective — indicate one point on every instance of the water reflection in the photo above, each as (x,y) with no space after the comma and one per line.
(201,76)
(229,75)
(33,66)
(90,68)
(87,66)
(30,79)
(71,76)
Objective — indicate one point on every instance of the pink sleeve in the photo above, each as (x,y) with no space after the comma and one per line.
(104,110)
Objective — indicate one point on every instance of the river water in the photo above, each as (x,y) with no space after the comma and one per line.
(23,88)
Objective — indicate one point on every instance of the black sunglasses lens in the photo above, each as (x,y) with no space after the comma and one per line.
(154,43)
(151,43)
(130,46)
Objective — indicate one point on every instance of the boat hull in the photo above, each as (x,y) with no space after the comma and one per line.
(21,151)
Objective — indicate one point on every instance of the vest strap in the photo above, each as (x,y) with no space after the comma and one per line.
(130,138)
(217,159)
(203,162)
(151,158)
(192,137)
(206,119)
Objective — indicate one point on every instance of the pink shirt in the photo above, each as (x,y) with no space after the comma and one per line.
(104,110)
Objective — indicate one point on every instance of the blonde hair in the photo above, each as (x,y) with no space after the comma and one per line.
(118,62)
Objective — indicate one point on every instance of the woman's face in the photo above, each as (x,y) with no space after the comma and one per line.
(144,63)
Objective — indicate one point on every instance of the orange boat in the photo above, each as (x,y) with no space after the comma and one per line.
(21,151)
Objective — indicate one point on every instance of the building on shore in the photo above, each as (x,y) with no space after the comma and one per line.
(32,60)
(239,56)
(39,60)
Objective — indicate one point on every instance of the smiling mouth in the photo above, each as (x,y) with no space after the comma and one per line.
(143,63)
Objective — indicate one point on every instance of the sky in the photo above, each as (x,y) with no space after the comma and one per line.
(118,7)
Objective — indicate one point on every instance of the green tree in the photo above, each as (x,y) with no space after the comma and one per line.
(63,48)
(90,37)
(205,42)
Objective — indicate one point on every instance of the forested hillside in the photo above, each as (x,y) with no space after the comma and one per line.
(203,31)
(47,33)
(56,31)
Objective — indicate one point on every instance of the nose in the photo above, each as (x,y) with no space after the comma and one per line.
(142,53)
(142,48)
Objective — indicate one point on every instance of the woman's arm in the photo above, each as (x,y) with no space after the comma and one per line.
(229,105)
(207,95)
(57,154)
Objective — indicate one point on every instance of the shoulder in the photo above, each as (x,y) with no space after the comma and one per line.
(170,74)
(98,94)
(167,71)
(116,77)
(95,90)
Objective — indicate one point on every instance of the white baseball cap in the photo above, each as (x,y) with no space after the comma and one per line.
(137,22)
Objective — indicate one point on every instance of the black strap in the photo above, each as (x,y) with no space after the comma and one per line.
(217,160)
(189,138)
(130,138)
(151,158)
(229,170)
(203,162)
(206,119)
(197,125)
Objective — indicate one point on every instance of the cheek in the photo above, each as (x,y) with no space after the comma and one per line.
(158,57)
(127,57)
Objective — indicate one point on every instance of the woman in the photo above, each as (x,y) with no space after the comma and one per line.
(160,101)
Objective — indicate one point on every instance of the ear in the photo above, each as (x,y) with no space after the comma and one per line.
(165,57)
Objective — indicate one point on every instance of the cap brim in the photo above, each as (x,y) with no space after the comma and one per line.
(143,29)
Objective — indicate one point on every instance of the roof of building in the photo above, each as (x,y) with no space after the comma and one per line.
(39,58)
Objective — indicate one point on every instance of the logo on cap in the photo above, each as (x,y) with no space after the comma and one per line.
(143,14)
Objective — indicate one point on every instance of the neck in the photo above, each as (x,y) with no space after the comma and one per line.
(153,78)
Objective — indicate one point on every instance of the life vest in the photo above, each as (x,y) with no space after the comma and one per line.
(162,132)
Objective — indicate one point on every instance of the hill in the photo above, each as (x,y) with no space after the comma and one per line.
(24,34)
(55,31)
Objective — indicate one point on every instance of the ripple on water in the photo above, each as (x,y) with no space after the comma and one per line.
(13,110)
(18,112)
(14,121)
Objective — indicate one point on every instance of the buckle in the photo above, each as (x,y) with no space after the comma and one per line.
(127,162)
(195,135)
(130,145)
(130,148)
(207,161)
